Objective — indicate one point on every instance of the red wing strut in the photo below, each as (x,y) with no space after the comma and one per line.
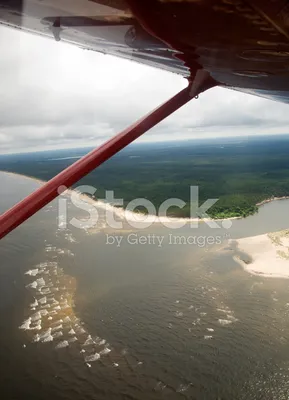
(68,177)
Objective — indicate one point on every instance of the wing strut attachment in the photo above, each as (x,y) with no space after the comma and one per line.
(68,177)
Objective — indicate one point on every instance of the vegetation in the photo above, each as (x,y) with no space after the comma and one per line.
(239,172)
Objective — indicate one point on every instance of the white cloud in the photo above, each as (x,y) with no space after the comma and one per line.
(56,95)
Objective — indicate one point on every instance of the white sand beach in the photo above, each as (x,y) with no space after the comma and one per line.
(130,216)
(139,218)
(269,254)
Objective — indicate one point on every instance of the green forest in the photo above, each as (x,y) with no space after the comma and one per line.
(240,172)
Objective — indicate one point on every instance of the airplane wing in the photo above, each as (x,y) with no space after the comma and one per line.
(243,45)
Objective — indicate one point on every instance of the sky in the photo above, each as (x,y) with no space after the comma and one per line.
(55,95)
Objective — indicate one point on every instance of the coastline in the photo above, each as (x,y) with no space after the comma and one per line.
(264,255)
(25,176)
(137,216)
(268,253)
(125,214)
(273,198)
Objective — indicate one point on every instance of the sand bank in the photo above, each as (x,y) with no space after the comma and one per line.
(265,255)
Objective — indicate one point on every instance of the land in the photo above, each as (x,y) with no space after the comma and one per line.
(269,254)
(240,172)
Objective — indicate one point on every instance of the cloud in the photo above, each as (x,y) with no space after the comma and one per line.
(54,95)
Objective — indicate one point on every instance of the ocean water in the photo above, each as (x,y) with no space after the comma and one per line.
(85,318)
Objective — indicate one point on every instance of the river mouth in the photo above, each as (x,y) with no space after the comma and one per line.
(154,320)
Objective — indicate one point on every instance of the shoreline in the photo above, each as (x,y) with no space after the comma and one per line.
(137,216)
(265,255)
(125,214)
(273,198)
(25,176)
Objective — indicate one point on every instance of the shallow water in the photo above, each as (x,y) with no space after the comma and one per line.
(138,321)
